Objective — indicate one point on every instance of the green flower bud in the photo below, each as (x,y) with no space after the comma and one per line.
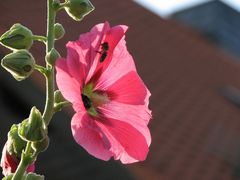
(15,144)
(77,9)
(33,176)
(9,177)
(56,4)
(29,176)
(18,37)
(52,56)
(33,129)
(19,63)
(58,97)
(59,31)
(41,146)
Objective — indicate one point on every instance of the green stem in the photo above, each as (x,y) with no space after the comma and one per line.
(20,170)
(40,38)
(41,69)
(24,163)
(59,106)
(62,5)
(27,158)
(50,26)
(50,80)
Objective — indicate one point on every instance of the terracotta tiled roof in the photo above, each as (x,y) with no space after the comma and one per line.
(195,130)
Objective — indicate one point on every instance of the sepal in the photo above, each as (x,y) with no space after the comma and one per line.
(33,129)
(40,146)
(15,144)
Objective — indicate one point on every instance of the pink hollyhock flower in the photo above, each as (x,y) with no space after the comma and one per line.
(111,101)
(9,163)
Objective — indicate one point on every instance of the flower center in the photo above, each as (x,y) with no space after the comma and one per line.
(86,101)
(93,99)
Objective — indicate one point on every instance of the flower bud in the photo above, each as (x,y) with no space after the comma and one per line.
(56,4)
(18,37)
(19,63)
(15,144)
(9,163)
(9,177)
(52,56)
(33,129)
(58,97)
(33,176)
(77,9)
(59,31)
(41,146)
(28,176)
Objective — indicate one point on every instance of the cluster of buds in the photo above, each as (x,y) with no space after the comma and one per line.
(12,152)
(20,63)
(27,139)
(31,130)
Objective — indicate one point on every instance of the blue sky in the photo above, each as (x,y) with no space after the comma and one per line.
(166,7)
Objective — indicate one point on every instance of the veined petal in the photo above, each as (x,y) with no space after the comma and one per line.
(127,143)
(129,89)
(90,43)
(69,86)
(82,53)
(112,37)
(137,116)
(87,134)
(75,62)
(121,64)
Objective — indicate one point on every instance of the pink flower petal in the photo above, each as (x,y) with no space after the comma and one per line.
(113,36)
(75,66)
(128,89)
(90,43)
(87,134)
(69,86)
(127,143)
(8,164)
(137,116)
(121,64)
(82,53)
(31,167)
